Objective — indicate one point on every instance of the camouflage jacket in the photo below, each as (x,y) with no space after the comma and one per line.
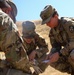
(11,43)
(62,35)
(37,44)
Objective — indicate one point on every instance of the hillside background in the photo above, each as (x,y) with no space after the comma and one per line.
(43,31)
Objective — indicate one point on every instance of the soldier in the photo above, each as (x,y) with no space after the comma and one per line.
(35,45)
(61,35)
(10,8)
(11,44)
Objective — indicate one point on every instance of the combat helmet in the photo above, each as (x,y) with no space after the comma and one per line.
(47,13)
(8,3)
(13,6)
(14,10)
(3,4)
(28,29)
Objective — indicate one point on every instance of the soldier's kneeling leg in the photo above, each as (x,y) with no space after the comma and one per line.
(62,65)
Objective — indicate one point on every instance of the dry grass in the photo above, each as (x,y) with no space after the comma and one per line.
(44,31)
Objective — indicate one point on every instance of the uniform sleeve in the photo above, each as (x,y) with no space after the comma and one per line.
(42,46)
(55,45)
(11,42)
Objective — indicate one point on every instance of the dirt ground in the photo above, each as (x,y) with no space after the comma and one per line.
(44,31)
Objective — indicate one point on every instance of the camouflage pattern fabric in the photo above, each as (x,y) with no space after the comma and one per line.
(62,65)
(11,43)
(63,35)
(7,71)
(39,45)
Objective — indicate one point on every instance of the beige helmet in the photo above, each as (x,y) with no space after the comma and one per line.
(28,29)
(47,13)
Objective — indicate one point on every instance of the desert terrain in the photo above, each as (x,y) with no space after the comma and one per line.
(43,31)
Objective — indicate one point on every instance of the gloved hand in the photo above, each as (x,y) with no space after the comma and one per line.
(35,66)
(37,69)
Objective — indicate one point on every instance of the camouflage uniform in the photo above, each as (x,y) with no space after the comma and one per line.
(12,44)
(61,39)
(38,44)
(63,35)
(41,51)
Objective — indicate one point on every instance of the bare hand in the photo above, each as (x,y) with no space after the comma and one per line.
(53,57)
(32,55)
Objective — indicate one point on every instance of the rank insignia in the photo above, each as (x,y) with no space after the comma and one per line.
(71,28)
